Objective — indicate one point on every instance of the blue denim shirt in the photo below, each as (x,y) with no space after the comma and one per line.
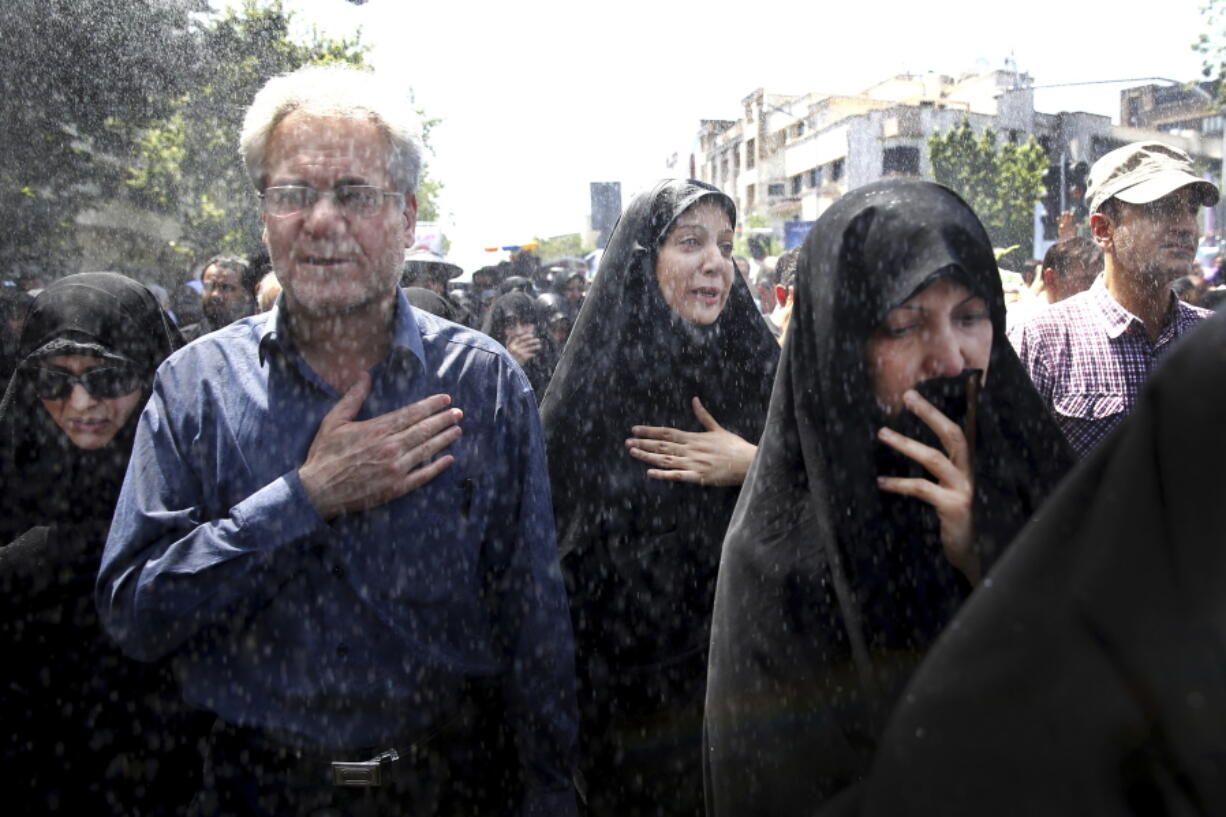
(364,628)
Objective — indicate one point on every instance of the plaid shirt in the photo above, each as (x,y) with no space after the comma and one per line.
(1088,357)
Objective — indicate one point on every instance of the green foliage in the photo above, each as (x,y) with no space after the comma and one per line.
(1000,183)
(79,79)
(1211,45)
(563,246)
(187,165)
(754,221)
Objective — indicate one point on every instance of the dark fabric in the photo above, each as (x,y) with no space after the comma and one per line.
(197,329)
(1088,677)
(640,555)
(516,307)
(830,591)
(467,767)
(86,731)
(433,303)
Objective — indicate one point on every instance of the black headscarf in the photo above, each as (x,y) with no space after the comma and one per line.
(82,723)
(432,302)
(1090,676)
(640,554)
(45,478)
(516,307)
(830,591)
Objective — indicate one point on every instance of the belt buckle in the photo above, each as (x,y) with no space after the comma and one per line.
(363,773)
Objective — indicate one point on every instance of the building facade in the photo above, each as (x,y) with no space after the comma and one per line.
(790,156)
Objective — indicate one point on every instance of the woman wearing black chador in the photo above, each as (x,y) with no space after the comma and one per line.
(650,421)
(86,730)
(904,448)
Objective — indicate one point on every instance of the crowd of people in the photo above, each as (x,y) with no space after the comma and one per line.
(841,532)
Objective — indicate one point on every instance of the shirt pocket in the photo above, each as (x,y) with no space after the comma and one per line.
(1090,407)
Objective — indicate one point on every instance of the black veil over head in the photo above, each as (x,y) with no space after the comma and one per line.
(640,554)
(1091,679)
(630,360)
(516,307)
(44,478)
(830,590)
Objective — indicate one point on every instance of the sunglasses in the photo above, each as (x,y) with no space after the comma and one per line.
(103,383)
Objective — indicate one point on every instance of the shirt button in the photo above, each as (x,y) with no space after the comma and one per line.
(338,571)
(342,651)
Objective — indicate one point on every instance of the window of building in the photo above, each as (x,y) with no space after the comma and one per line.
(798,130)
(901,161)
(750,153)
(798,184)
(749,191)
(815,177)
(836,170)
(776,189)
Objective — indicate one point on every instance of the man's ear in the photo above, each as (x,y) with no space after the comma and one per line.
(410,218)
(1103,230)
(781,294)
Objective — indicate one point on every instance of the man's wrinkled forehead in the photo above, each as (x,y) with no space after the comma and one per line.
(301,142)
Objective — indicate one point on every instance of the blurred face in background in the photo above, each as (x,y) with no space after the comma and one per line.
(223,298)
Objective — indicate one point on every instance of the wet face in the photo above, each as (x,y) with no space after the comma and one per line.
(517,328)
(694,265)
(575,288)
(941,330)
(1154,243)
(331,261)
(89,421)
(224,300)
(559,331)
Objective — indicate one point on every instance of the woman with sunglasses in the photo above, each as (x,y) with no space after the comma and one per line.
(85,728)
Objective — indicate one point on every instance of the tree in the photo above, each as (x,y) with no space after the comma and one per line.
(79,80)
(1000,183)
(1212,46)
(755,221)
(187,165)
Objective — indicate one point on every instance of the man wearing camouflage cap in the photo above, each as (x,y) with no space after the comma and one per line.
(1089,354)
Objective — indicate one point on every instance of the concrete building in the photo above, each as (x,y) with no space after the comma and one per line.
(790,156)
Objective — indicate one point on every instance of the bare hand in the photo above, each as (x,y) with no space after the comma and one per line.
(353,466)
(953,490)
(712,457)
(523,347)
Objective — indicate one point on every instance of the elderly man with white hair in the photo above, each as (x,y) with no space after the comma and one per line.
(337,514)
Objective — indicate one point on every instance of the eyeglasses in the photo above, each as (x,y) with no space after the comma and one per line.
(103,382)
(359,200)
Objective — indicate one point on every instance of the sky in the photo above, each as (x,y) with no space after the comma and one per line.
(539,97)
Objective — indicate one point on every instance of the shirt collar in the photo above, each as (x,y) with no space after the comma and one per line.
(406,335)
(1118,320)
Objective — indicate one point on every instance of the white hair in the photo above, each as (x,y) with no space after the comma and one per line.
(339,91)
